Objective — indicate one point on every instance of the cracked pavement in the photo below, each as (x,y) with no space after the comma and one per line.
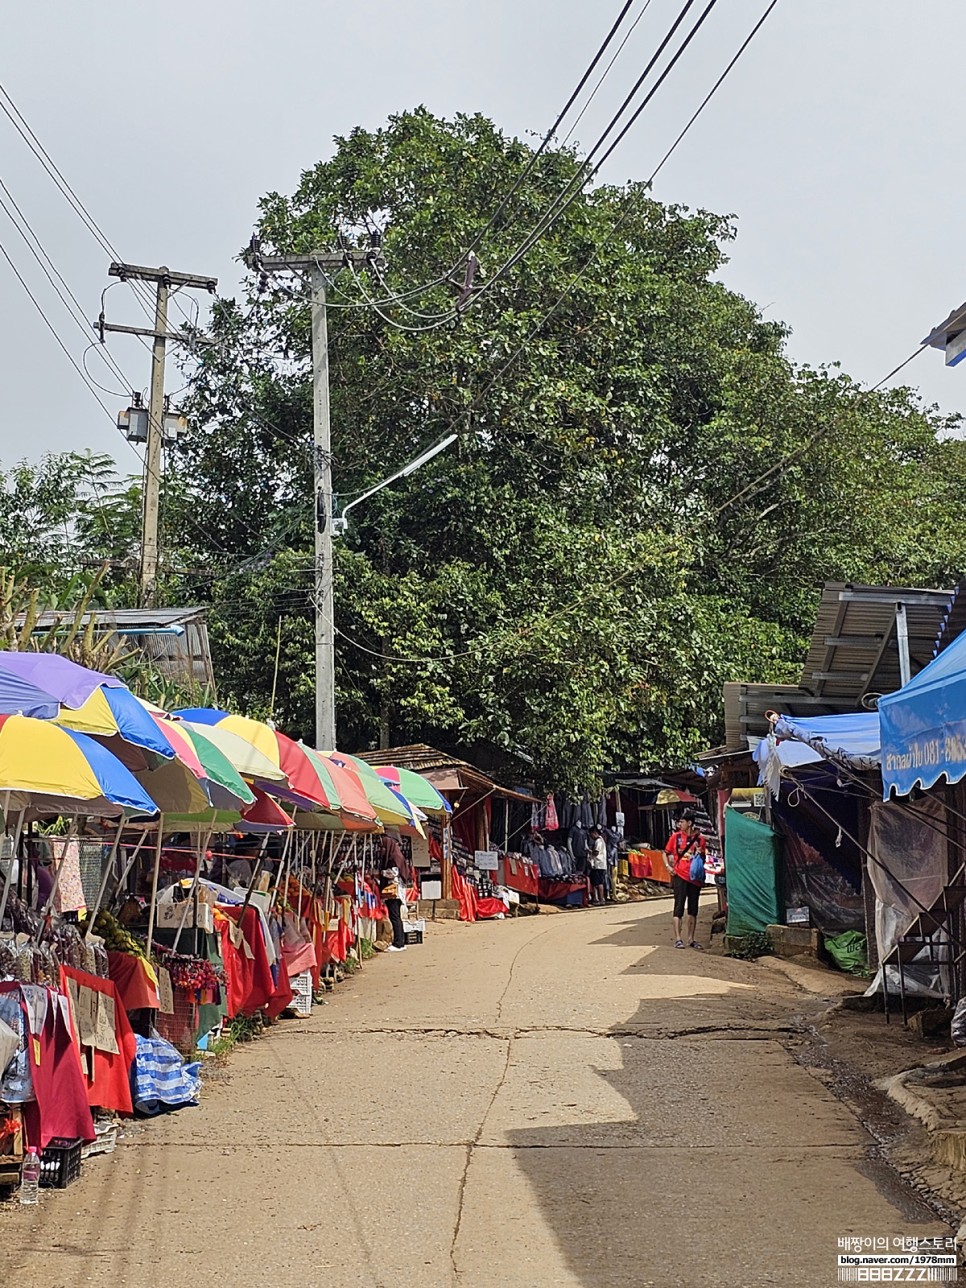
(555,1100)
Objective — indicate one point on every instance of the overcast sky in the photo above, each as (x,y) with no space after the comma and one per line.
(834,142)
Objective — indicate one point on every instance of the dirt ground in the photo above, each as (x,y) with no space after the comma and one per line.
(555,1100)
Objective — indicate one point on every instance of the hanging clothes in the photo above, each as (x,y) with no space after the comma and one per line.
(552,822)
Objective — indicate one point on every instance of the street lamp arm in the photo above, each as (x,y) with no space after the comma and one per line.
(341,522)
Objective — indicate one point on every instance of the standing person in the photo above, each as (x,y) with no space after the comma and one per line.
(393,863)
(597,865)
(684,843)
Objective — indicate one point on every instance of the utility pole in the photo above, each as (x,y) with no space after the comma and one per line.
(320,267)
(163,279)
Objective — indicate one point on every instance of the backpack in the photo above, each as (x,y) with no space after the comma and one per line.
(697,868)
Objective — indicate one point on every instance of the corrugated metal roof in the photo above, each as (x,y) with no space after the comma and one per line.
(854,649)
(421,759)
(746,704)
(121,617)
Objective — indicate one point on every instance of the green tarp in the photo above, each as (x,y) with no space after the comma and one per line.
(752,873)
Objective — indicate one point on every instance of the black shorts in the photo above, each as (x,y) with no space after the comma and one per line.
(685,892)
(598,876)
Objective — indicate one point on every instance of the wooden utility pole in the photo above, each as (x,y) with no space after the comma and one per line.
(163,279)
(320,267)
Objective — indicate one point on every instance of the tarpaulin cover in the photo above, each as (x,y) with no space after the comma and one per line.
(910,846)
(752,851)
(924,725)
(823,867)
(852,738)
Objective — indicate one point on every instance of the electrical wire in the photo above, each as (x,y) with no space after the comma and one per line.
(617,54)
(56,279)
(22,126)
(586,171)
(53,331)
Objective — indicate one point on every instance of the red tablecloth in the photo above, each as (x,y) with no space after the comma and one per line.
(135,986)
(486,908)
(553,891)
(111,1085)
(520,875)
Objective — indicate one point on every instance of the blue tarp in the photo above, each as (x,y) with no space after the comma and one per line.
(852,739)
(924,725)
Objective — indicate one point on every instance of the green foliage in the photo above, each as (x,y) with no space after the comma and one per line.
(751,946)
(642,504)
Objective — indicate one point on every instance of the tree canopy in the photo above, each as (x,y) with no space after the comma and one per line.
(643,500)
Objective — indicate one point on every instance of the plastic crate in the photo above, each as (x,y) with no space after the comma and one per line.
(301,986)
(105,1142)
(414,936)
(60,1163)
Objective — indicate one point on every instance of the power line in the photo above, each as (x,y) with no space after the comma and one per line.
(56,279)
(606,72)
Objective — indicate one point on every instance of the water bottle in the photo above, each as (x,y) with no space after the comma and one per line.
(30,1177)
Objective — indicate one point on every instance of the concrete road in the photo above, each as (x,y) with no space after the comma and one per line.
(557,1100)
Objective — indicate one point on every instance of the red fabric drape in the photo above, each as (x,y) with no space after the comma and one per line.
(250,983)
(487,908)
(61,1107)
(111,1087)
(133,982)
(466,894)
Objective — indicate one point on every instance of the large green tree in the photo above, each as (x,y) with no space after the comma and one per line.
(643,499)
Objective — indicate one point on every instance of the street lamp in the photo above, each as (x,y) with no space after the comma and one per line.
(340,523)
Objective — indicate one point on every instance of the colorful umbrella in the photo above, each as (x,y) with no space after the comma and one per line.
(303,786)
(48,771)
(387,804)
(226,787)
(69,683)
(416,789)
(50,687)
(242,755)
(345,791)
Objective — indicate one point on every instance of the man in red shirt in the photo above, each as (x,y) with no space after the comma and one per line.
(685,842)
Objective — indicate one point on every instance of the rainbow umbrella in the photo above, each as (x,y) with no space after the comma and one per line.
(389,806)
(346,793)
(49,771)
(226,787)
(51,687)
(415,788)
(302,787)
(251,763)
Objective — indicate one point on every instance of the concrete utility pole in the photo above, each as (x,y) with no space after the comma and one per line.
(320,267)
(164,279)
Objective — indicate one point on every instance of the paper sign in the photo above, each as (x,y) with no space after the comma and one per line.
(86,1015)
(431,890)
(486,860)
(105,1033)
(165,992)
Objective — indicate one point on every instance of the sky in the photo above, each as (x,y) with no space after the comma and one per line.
(832,143)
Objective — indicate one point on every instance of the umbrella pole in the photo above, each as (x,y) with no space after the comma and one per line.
(335,850)
(112,859)
(154,883)
(14,858)
(129,865)
(192,899)
(47,909)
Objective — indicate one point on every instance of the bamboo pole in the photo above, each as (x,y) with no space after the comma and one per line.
(14,858)
(45,912)
(130,864)
(154,884)
(111,860)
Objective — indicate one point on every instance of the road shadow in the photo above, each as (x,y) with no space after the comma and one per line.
(692,1148)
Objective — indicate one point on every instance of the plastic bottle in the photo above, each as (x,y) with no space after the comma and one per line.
(30,1177)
